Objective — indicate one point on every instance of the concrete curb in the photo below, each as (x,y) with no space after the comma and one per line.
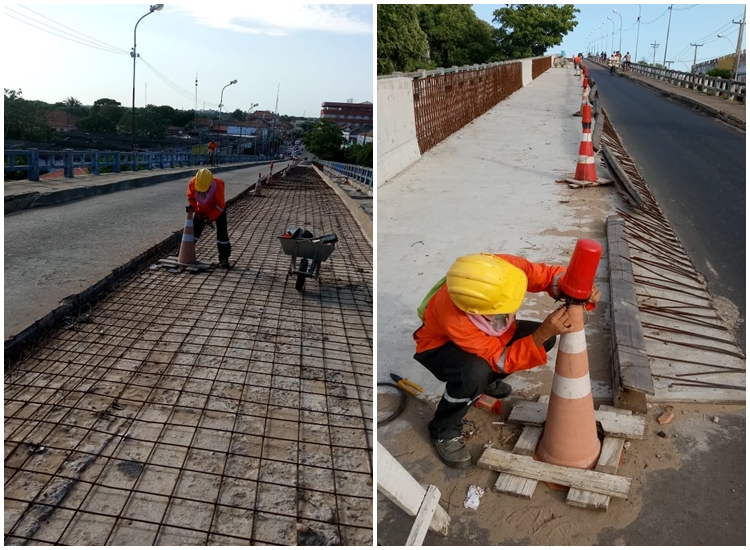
(16,346)
(362,219)
(631,371)
(35,199)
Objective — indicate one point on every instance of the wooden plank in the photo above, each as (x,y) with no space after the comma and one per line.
(526,445)
(404,491)
(424,517)
(609,461)
(617,424)
(525,466)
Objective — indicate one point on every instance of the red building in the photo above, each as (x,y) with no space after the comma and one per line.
(347,114)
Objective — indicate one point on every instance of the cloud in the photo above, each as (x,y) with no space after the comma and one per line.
(280,19)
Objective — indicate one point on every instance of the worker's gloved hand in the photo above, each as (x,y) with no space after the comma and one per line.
(595,295)
(556,323)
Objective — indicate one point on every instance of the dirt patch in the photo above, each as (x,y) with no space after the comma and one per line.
(545,519)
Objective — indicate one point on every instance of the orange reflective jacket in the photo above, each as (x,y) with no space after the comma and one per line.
(213,207)
(444,322)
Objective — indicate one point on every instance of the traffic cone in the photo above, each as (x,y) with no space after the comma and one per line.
(584,97)
(187,247)
(585,175)
(570,437)
(256,192)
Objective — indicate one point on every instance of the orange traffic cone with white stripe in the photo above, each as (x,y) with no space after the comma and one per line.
(256,192)
(570,438)
(585,174)
(187,248)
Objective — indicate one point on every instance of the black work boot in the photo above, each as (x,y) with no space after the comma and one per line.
(453,452)
(498,389)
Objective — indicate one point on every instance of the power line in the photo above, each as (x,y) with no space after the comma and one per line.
(683,9)
(177,88)
(655,20)
(72,29)
(90,45)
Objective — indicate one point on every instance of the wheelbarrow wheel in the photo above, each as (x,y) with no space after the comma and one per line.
(300,284)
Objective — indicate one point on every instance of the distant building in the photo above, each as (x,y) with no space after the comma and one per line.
(725,62)
(347,114)
(61,121)
(361,135)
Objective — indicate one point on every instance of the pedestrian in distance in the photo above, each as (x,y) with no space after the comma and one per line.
(205,195)
(212,145)
(471,340)
(627,61)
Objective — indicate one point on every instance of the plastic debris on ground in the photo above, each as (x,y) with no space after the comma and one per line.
(473,496)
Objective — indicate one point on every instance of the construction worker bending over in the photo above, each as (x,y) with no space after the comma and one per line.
(470,337)
(206,195)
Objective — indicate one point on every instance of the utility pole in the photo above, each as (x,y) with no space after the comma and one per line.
(655,46)
(638,34)
(695,56)
(195,111)
(666,46)
(739,44)
(275,116)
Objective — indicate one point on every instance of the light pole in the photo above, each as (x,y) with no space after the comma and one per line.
(613,32)
(695,56)
(152,9)
(620,16)
(739,44)
(221,104)
(668,25)
(638,34)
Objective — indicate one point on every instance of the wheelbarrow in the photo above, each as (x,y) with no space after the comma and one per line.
(311,251)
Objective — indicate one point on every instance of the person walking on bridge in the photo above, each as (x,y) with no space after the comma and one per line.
(205,194)
(212,152)
(470,337)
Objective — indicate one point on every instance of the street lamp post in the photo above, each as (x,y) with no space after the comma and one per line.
(152,9)
(620,16)
(613,32)
(221,104)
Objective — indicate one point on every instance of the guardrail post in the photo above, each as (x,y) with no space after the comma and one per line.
(68,166)
(150,161)
(117,162)
(33,161)
(95,163)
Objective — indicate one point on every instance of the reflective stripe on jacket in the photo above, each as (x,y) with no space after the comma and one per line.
(214,208)
(444,322)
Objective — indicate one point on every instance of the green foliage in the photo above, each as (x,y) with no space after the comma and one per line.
(70,101)
(25,119)
(361,155)
(720,73)
(150,123)
(456,36)
(402,44)
(528,30)
(103,116)
(238,115)
(324,140)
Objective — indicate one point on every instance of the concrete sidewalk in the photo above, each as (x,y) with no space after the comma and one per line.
(492,187)
(23,194)
(731,112)
(221,408)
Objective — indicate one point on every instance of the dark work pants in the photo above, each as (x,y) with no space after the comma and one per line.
(465,375)
(222,235)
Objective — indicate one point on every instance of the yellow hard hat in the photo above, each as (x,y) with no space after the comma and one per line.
(484,284)
(203,180)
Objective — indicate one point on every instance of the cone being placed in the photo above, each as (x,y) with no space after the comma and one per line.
(187,248)
(570,437)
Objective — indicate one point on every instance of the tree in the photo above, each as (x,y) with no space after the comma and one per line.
(103,116)
(24,119)
(361,155)
(402,44)
(70,101)
(528,30)
(324,140)
(150,122)
(238,115)
(456,36)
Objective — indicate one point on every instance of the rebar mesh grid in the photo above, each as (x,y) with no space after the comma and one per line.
(223,408)
(443,104)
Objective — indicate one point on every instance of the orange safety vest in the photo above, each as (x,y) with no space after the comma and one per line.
(214,207)
(444,322)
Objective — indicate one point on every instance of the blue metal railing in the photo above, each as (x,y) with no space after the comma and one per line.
(36,162)
(361,174)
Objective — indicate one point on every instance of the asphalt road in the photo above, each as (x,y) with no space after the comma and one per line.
(57,251)
(695,167)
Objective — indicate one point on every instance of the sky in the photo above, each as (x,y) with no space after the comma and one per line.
(309,53)
(691,23)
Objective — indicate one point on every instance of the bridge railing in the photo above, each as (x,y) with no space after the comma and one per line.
(734,90)
(361,174)
(35,162)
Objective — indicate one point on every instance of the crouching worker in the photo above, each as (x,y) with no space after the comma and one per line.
(470,337)
(206,195)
